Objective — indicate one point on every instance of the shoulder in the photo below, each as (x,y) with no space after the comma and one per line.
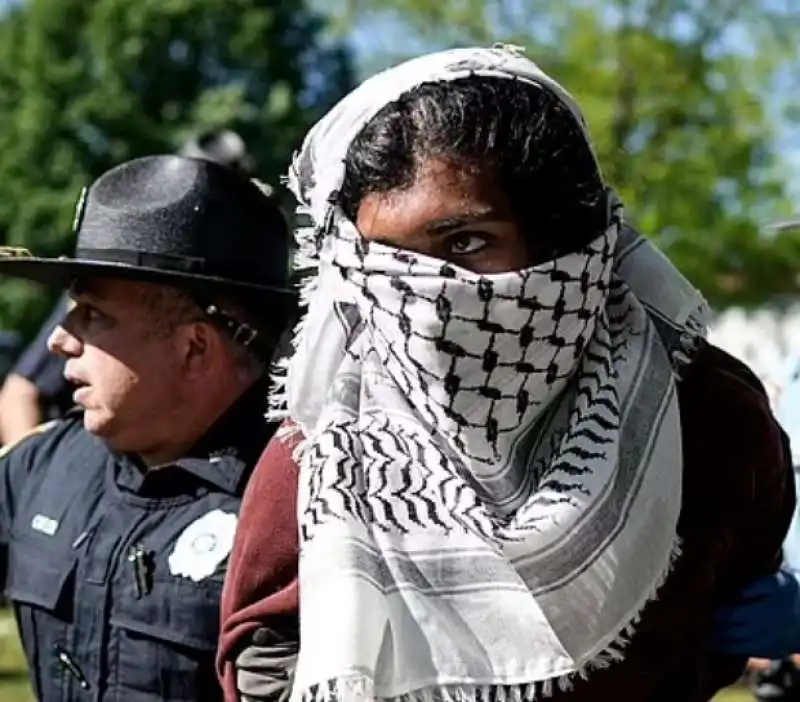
(729,430)
(28,460)
(276,468)
(737,462)
(25,439)
(726,394)
(45,434)
(42,442)
(269,505)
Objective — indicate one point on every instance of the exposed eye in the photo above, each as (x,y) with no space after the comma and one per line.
(466,243)
(90,314)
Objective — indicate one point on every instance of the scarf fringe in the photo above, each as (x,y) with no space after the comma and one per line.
(361,689)
(305,259)
(615,651)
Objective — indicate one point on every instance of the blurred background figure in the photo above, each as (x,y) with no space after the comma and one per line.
(11,344)
(224,146)
(35,389)
(780,680)
(769,339)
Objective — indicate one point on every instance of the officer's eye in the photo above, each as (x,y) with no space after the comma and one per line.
(91,314)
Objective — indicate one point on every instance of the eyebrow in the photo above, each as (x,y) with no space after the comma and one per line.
(446,225)
(84,289)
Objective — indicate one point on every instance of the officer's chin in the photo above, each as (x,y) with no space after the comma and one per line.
(96,422)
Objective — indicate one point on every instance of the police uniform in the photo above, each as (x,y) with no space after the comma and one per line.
(115,574)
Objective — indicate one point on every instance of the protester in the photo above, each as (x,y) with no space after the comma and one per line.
(523,472)
(119,518)
(36,389)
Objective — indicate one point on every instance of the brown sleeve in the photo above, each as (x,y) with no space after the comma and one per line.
(738,497)
(260,592)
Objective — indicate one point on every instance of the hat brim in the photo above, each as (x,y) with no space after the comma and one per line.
(61,272)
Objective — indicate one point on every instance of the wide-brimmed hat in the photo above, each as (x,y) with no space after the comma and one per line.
(173,220)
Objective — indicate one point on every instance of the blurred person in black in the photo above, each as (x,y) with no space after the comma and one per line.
(35,389)
(780,679)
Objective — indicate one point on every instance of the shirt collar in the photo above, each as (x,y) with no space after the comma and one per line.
(225,456)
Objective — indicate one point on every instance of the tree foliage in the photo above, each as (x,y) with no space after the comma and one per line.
(85,84)
(682,97)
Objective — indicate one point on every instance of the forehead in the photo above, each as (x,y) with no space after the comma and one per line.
(442,191)
(112,290)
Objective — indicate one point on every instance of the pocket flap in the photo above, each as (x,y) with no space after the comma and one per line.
(180,613)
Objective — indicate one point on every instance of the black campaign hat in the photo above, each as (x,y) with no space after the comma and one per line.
(178,221)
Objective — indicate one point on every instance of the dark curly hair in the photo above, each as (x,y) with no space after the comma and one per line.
(517,133)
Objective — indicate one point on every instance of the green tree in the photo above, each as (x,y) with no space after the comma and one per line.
(682,99)
(85,84)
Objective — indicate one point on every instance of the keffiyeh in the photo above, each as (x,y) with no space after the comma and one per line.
(490,479)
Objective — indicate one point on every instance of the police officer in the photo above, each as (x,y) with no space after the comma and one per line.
(36,388)
(119,517)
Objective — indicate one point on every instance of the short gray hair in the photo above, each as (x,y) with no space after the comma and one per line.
(170,307)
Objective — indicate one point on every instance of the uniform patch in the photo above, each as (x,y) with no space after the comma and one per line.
(203,545)
(45,525)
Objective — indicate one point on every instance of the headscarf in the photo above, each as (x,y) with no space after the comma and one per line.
(490,479)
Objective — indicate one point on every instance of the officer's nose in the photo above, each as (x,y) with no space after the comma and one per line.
(63,343)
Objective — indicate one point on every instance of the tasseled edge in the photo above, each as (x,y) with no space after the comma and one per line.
(614,651)
(693,333)
(306,259)
(361,689)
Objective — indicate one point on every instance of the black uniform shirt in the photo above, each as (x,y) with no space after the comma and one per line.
(115,574)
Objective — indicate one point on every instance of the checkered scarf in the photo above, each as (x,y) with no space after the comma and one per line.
(491,472)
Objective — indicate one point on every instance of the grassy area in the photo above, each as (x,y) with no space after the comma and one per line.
(14,680)
(736,695)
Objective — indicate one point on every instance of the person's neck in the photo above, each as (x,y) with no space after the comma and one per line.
(188,429)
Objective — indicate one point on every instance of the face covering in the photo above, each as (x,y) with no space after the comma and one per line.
(490,478)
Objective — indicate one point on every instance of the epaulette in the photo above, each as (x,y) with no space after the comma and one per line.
(39,429)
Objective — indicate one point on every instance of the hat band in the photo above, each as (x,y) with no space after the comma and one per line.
(175,263)
(145,259)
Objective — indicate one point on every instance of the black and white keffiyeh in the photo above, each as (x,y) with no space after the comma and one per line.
(490,479)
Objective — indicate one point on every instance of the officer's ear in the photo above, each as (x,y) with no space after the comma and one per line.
(201,344)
